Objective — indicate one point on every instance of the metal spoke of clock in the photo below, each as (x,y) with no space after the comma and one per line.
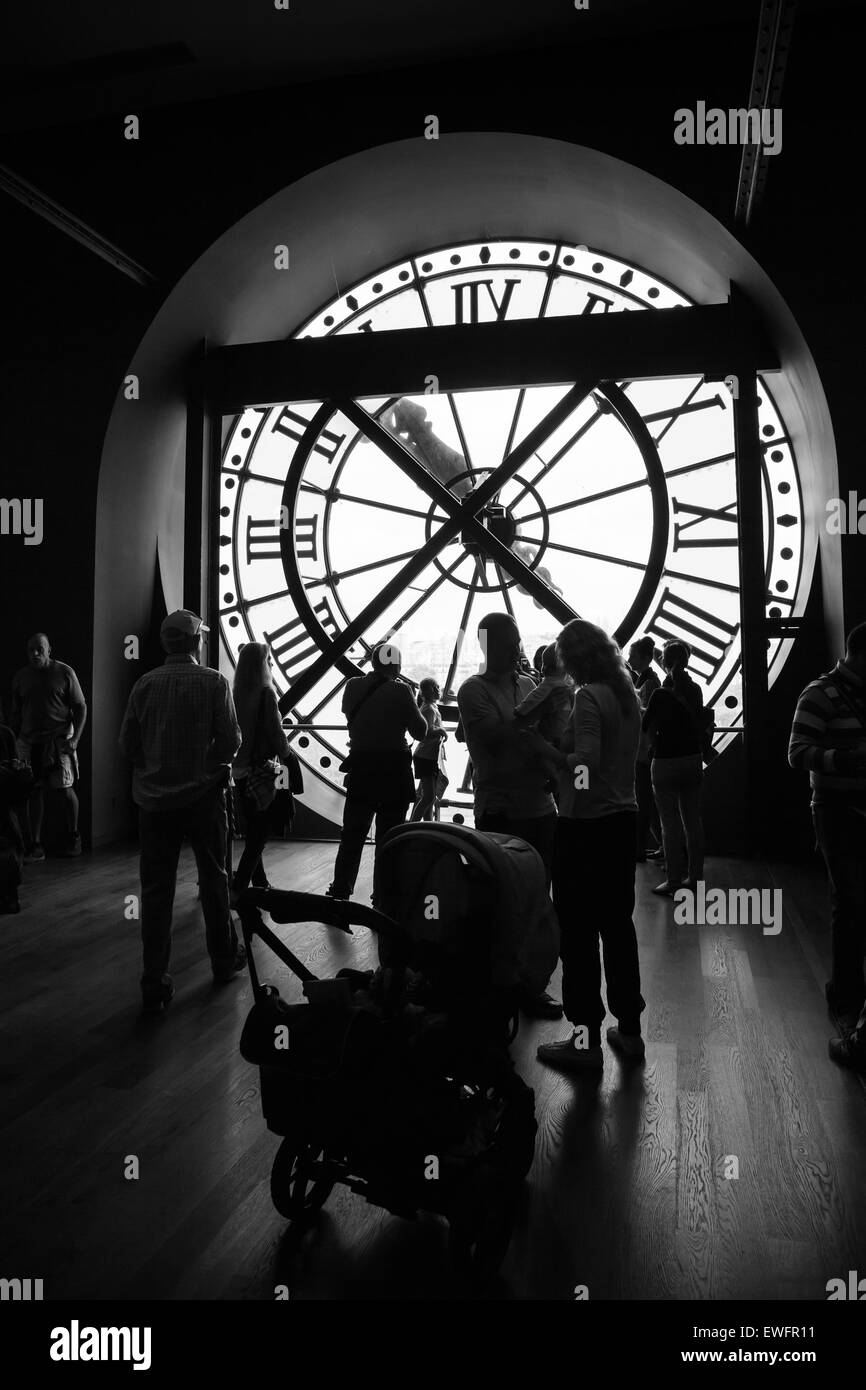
(624,487)
(588,554)
(462,629)
(428,592)
(688,405)
(512,428)
(332,577)
(385,506)
(521,394)
(459,427)
(698,579)
(333,690)
(551,463)
(506,597)
(458,424)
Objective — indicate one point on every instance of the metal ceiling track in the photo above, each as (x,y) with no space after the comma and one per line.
(40,203)
(775,29)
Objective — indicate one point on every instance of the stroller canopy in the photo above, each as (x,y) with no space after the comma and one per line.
(468,893)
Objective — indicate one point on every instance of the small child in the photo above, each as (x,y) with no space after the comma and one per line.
(548,707)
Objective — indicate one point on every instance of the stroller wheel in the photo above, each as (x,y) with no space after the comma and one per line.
(297,1191)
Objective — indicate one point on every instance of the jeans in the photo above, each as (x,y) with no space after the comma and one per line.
(250,868)
(593,893)
(647,811)
(161,834)
(538,831)
(841,835)
(677,786)
(357,818)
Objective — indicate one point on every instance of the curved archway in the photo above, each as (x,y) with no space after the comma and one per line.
(341,223)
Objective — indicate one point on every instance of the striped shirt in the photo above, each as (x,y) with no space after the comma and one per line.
(830,725)
(180,732)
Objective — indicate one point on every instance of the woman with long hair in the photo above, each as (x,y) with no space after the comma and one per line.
(428,755)
(595,851)
(256,763)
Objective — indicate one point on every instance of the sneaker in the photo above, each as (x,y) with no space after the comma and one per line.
(540,1005)
(35,854)
(656,854)
(666,890)
(223,973)
(630,1045)
(566,1057)
(157,1003)
(73,849)
(848,1053)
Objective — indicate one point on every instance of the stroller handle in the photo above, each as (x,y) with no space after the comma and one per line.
(286,906)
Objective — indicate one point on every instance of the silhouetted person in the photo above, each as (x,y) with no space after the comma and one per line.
(594,857)
(380,711)
(547,708)
(257,763)
(675,722)
(180,733)
(428,757)
(49,713)
(15,783)
(828,740)
(510,774)
(640,659)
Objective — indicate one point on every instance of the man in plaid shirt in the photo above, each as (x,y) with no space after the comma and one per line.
(828,740)
(180,732)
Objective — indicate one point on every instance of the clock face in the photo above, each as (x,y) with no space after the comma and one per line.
(626,505)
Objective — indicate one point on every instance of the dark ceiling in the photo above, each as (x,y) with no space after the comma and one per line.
(67,63)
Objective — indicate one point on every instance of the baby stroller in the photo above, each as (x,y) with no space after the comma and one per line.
(397,1082)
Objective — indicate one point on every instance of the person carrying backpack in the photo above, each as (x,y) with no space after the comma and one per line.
(380,710)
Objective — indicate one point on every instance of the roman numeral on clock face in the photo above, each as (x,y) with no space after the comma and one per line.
(306,545)
(263,539)
(292,646)
(294,425)
(698,516)
(707,636)
(466,295)
(592,300)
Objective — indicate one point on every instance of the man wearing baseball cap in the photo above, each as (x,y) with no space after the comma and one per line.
(180,733)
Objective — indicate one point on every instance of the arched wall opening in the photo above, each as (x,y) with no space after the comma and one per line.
(342,223)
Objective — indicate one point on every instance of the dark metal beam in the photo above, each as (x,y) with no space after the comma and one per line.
(775,30)
(58,216)
(523,352)
(753,631)
(201,490)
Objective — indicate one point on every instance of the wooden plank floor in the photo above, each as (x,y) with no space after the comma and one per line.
(628,1193)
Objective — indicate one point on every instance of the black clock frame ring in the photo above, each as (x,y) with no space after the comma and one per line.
(631,418)
(330,500)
